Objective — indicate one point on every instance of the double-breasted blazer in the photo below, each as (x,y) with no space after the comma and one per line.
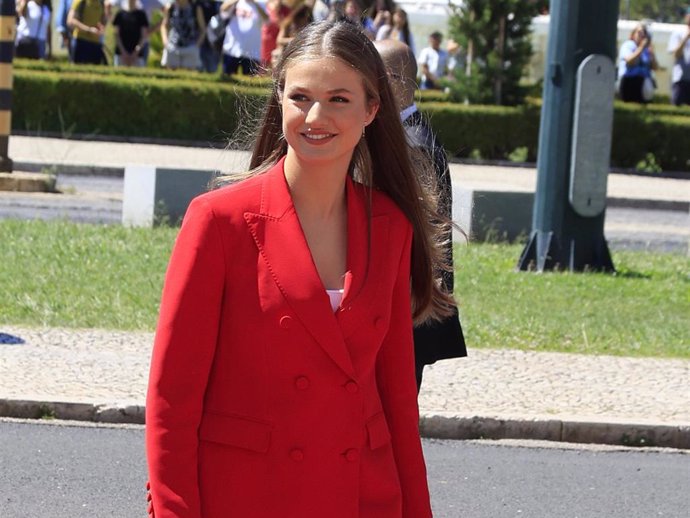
(265,403)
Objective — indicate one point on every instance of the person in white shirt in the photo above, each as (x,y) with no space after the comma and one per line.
(242,44)
(679,47)
(433,61)
(33,29)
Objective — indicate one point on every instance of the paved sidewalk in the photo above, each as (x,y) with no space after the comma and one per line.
(115,155)
(101,376)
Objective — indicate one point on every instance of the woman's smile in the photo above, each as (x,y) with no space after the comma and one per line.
(318,138)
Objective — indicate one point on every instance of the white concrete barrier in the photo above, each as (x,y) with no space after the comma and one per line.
(493,215)
(154,195)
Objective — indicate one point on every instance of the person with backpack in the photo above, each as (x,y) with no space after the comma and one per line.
(87,19)
(183,31)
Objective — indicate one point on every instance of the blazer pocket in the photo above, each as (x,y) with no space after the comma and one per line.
(377,430)
(241,432)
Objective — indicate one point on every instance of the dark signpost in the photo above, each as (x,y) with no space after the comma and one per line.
(574,139)
(8,21)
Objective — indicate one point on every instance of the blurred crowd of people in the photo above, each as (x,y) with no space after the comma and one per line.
(250,35)
(246,35)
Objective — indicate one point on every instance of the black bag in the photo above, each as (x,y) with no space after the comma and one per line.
(27,47)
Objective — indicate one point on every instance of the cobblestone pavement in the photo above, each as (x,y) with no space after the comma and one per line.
(111,368)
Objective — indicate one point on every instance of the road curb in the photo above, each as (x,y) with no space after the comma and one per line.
(99,413)
(612,432)
(647,204)
(73,169)
(119,172)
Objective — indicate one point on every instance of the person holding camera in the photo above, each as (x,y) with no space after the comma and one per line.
(636,61)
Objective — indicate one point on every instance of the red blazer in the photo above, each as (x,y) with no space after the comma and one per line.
(263,402)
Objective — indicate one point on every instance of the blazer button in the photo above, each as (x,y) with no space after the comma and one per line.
(352,455)
(297,455)
(286,322)
(148,486)
(302,383)
(379,324)
(352,387)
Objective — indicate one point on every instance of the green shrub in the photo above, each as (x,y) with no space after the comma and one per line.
(63,99)
(491,132)
(129,106)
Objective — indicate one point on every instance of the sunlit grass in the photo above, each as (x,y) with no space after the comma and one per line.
(70,275)
(642,310)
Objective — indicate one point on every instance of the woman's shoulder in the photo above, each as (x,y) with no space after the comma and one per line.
(234,198)
(628,46)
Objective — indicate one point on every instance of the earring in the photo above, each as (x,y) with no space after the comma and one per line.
(363,130)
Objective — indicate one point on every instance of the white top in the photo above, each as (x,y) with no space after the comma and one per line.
(436,60)
(681,67)
(336,297)
(243,34)
(404,114)
(28,25)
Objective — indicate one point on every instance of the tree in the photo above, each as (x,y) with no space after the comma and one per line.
(496,37)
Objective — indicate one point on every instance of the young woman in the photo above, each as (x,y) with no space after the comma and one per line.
(282,381)
(636,60)
(277,11)
(398,30)
(381,13)
(33,29)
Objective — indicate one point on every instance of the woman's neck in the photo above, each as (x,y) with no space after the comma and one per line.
(318,190)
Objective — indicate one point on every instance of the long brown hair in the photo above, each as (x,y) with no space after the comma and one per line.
(381,160)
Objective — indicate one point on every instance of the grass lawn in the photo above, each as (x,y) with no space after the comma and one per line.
(70,275)
(641,310)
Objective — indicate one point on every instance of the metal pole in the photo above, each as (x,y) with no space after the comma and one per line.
(8,17)
(561,238)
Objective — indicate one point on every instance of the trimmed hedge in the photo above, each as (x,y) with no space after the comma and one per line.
(149,103)
(489,132)
(129,106)
(494,132)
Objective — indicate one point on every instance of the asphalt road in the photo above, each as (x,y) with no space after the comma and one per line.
(52,470)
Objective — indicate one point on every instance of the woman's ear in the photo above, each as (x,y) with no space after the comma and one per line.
(373,110)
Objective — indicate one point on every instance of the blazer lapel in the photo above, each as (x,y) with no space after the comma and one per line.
(365,257)
(279,237)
